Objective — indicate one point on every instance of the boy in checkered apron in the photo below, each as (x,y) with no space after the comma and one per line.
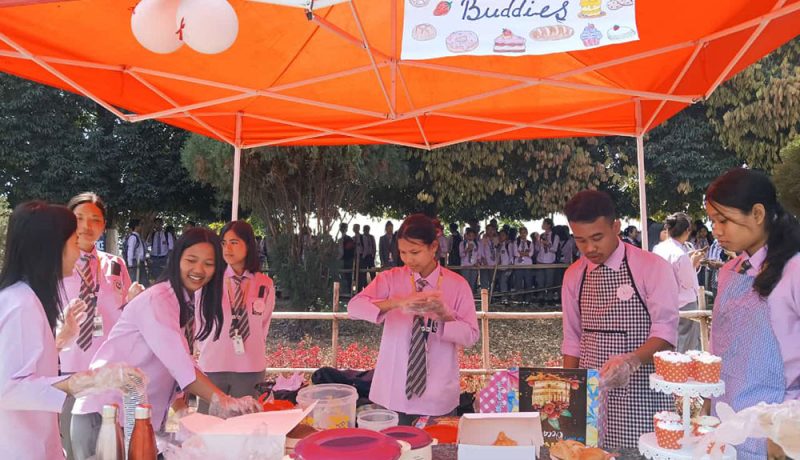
(620,306)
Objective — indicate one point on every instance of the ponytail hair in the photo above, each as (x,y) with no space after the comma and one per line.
(744,188)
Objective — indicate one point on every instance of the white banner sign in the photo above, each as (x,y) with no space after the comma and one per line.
(441,28)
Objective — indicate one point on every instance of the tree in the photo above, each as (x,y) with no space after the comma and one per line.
(682,157)
(54,144)
(287,187)
(786,174)
(757,112)
(518,179)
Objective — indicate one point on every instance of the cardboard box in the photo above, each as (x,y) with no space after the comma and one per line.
(234,438)
(477,433)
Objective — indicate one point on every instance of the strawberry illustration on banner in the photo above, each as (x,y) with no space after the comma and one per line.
(442,8)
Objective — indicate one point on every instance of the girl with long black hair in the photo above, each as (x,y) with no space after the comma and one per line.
(756,325)
(41,248)
(156,332)
(236,361)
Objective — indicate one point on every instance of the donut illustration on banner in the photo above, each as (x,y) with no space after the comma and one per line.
(423,32)
(419,3)
(462,41)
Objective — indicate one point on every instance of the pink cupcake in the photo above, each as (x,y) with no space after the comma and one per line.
(706,368)
(704,430)
(673,366)
(704,423)
(669,435)
(666,416)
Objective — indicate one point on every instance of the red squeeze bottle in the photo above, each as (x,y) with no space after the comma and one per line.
(143,439)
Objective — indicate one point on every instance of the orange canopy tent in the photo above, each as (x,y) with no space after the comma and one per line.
(333,75)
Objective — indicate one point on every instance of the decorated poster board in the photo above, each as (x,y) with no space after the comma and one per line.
(566,399)
(441,28)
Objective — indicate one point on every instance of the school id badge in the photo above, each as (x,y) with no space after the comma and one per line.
(238,343)
(97,326)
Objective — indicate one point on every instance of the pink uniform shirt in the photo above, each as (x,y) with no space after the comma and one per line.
(111,297)
(29,404)
(219,355)
(784,308)
(148,336)
(389,384)
(654,280)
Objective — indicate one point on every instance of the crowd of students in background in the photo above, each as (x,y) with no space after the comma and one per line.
(506,258)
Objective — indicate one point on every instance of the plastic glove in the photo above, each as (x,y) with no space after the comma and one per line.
(134,290)
(617,371)
(74,315)
(224,406)
(115,376)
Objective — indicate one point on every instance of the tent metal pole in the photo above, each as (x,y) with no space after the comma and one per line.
(641,171)
(237,166)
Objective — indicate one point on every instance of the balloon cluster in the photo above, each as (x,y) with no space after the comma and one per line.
(163,26)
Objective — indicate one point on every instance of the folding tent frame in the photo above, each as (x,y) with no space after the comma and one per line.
(397,84)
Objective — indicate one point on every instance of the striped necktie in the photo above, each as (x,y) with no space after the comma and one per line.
(87,294)
(240,320)
(746,265)
(417,373)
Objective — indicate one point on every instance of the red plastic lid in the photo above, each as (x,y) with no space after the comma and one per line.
(347,444)
(445,434)
(412,435)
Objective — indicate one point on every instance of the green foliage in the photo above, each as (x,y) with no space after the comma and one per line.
(54,144)
(515,179)
(757,112)
(682,157)
(307,281)
(785,177)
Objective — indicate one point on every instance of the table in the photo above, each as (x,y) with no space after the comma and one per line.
(450,452)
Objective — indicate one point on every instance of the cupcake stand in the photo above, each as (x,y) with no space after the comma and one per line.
(691,389)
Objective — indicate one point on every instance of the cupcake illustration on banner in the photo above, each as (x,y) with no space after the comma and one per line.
(591,36)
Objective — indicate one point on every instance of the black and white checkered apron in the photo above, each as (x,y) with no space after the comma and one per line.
(612,326)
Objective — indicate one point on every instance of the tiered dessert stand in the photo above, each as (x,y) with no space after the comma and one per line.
(691,389)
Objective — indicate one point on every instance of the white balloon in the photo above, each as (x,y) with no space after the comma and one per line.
(208,26)
(153,25)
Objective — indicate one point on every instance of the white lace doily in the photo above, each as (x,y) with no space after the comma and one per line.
(649,448)
(691,388)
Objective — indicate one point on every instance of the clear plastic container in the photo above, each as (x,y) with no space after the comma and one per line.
(336,405)
(377,419)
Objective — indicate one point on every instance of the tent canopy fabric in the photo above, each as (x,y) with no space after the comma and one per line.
(333,75)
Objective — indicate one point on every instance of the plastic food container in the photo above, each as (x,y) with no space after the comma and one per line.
(444,434)
(336,405)
(349,444)
(419,440)
(377,419)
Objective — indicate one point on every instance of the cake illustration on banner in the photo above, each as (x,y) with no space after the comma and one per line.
(617,4)
(591,9)
(442,8)
(620,33)
(462,41)
(419,3)
(552,33)
(591,36)
(507,42)
(423,32)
